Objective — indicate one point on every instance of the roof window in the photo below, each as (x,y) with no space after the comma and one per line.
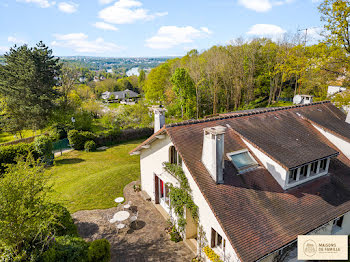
(242,160)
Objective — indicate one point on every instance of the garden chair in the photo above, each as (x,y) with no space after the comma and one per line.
(119,227)
(134,218)
(128,205)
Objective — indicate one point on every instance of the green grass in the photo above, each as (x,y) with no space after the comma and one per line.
(85,181)
(7,137)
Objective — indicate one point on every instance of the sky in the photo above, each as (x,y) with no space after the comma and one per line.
(149,28)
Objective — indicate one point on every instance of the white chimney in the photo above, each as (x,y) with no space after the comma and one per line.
(159,118)
(347,120)
(213,152)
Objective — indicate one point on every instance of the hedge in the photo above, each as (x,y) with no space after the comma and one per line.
(9,154)
(118,136)
(99,250)
(77,139)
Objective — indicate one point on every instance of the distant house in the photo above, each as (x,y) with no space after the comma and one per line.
(124,97)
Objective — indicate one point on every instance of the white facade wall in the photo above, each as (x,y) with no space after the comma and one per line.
(343,145)
(275,169)
(151,160)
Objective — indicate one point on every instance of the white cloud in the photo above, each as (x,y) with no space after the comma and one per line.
(79,43)
(266,30)
(170,36)
(257,5)
(40,3)
(127,12)
(105,26)
(262,5)
(68,7)
(105,2)
(15,40)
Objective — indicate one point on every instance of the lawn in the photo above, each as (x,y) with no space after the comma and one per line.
(7,137)
(93,180)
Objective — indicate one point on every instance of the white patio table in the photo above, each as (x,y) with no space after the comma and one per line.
(121,216)
(119,200)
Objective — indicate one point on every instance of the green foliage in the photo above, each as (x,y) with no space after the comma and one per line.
(67,249)
(184,89)
(28,78)
(180,197)
(77,139)
(63,223)
(10,154)
(175,235)
(83,120)
(25,219)
(90,146)
(99,250)
(133,116)
(156,83)
(43,145)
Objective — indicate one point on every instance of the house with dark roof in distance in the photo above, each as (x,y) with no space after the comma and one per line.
(125,97)
(259,178)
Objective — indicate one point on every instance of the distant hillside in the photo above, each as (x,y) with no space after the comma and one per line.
(98,63)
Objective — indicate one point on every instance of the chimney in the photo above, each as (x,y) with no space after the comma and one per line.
(347,120)
(213,152)
(159,118)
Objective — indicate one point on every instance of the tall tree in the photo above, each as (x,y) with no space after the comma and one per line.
(68,78)
(185,91)
(27,84)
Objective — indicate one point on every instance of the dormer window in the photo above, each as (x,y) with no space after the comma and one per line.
(242,160)
(316,168)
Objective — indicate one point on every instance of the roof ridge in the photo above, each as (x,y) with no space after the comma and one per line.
(263,110)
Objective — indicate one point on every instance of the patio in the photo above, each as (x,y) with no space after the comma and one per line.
(144,241)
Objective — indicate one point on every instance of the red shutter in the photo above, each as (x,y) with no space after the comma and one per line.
(213,236)
(156,189)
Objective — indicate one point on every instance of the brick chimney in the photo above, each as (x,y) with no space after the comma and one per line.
(213,152)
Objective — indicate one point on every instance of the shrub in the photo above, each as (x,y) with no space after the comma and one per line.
(43,145)
(67,249)
(174,235)
(211,254)
(10,154)
(83,121)
(78,139)
(58,131)
(64,224)
(90,146)
(99,250)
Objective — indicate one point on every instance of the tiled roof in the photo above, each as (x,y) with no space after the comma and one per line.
(256,214)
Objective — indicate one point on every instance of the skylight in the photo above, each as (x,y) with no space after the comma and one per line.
(242,160)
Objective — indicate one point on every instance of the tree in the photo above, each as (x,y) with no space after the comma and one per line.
(157,82)
(68,79)
(335,14)
(27,82)
(184,89)
(141,79)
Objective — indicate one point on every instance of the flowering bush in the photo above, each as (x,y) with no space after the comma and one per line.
(211,254)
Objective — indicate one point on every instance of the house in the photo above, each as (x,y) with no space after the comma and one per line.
(259,178)
(333,90)
(120,96)
(302,99)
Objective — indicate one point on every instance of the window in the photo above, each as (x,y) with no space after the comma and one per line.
(337,224)
(242,160)
(172,155)
(216,239)
(303,172)
(313,168)
(293,175)
(323,165)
